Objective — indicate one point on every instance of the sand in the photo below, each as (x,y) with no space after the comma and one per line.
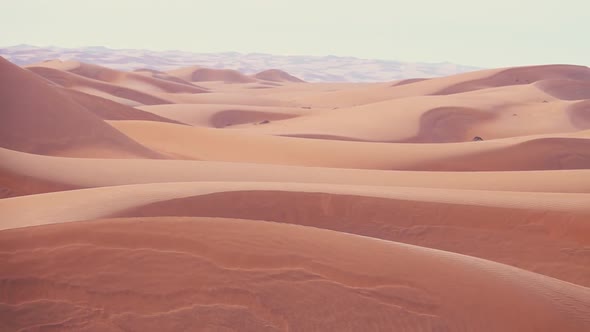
(209,199)
(248,275)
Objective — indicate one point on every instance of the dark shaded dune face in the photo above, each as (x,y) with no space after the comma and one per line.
(235,117)
(174,79)
(276,75)
(224,75)
(520,76)
(159,79)
(38,118)
(97,72)
(109,110)
(148,70)
(327,137)
(579,114)
(58,77)
(67,79)
(131,94)
(13,185)
(448,125)
(154,274)
(566,89)
(537,154)
(470,230)
(168,83)
(409,81)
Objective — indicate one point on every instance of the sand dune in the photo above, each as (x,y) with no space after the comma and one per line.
(129,79)
(276,75)
(521,75)
(543,153)
(566,89)
(492,113)
(580,113)
(461,83)
(197,74)
(381,212)
(39,118)
(531,153)
(115,92)
(220,116)
(109,110)
(85,173)
(221,272)
(455,203)
(108,201)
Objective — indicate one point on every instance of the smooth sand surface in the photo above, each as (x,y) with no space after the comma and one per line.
(170,273)
(87,172)
(457,203)
(534,153)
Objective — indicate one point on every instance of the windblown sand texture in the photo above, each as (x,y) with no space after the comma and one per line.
(201,199)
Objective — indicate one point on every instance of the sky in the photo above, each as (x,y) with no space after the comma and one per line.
(491,33)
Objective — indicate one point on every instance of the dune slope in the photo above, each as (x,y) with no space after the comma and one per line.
(39,118)
(228,274)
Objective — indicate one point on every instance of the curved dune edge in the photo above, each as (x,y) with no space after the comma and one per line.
(464,221)
(199,74)
(219,115)
(519,76)
(87,172)
(101,202)
(277,75)
(448,124)
(535,154)
(13,184)
(310,278)
(99,87)
(550,236)
(107,109)
(566,89)
(449,85)
(218,145)
(155,82)
(492,113)
(579,114)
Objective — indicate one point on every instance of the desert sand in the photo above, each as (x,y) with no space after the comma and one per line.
(208,199)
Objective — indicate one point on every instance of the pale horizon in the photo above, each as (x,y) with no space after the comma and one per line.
(498,34)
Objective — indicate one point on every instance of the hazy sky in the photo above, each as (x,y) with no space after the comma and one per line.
(483,33)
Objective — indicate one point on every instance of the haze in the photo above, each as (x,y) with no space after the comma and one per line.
(489,34)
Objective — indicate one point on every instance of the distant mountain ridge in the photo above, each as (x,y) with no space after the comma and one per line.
(309,68)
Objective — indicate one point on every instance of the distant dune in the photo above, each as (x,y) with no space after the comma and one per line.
(309,68)
(276,75)
(196,74)
(216,199)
